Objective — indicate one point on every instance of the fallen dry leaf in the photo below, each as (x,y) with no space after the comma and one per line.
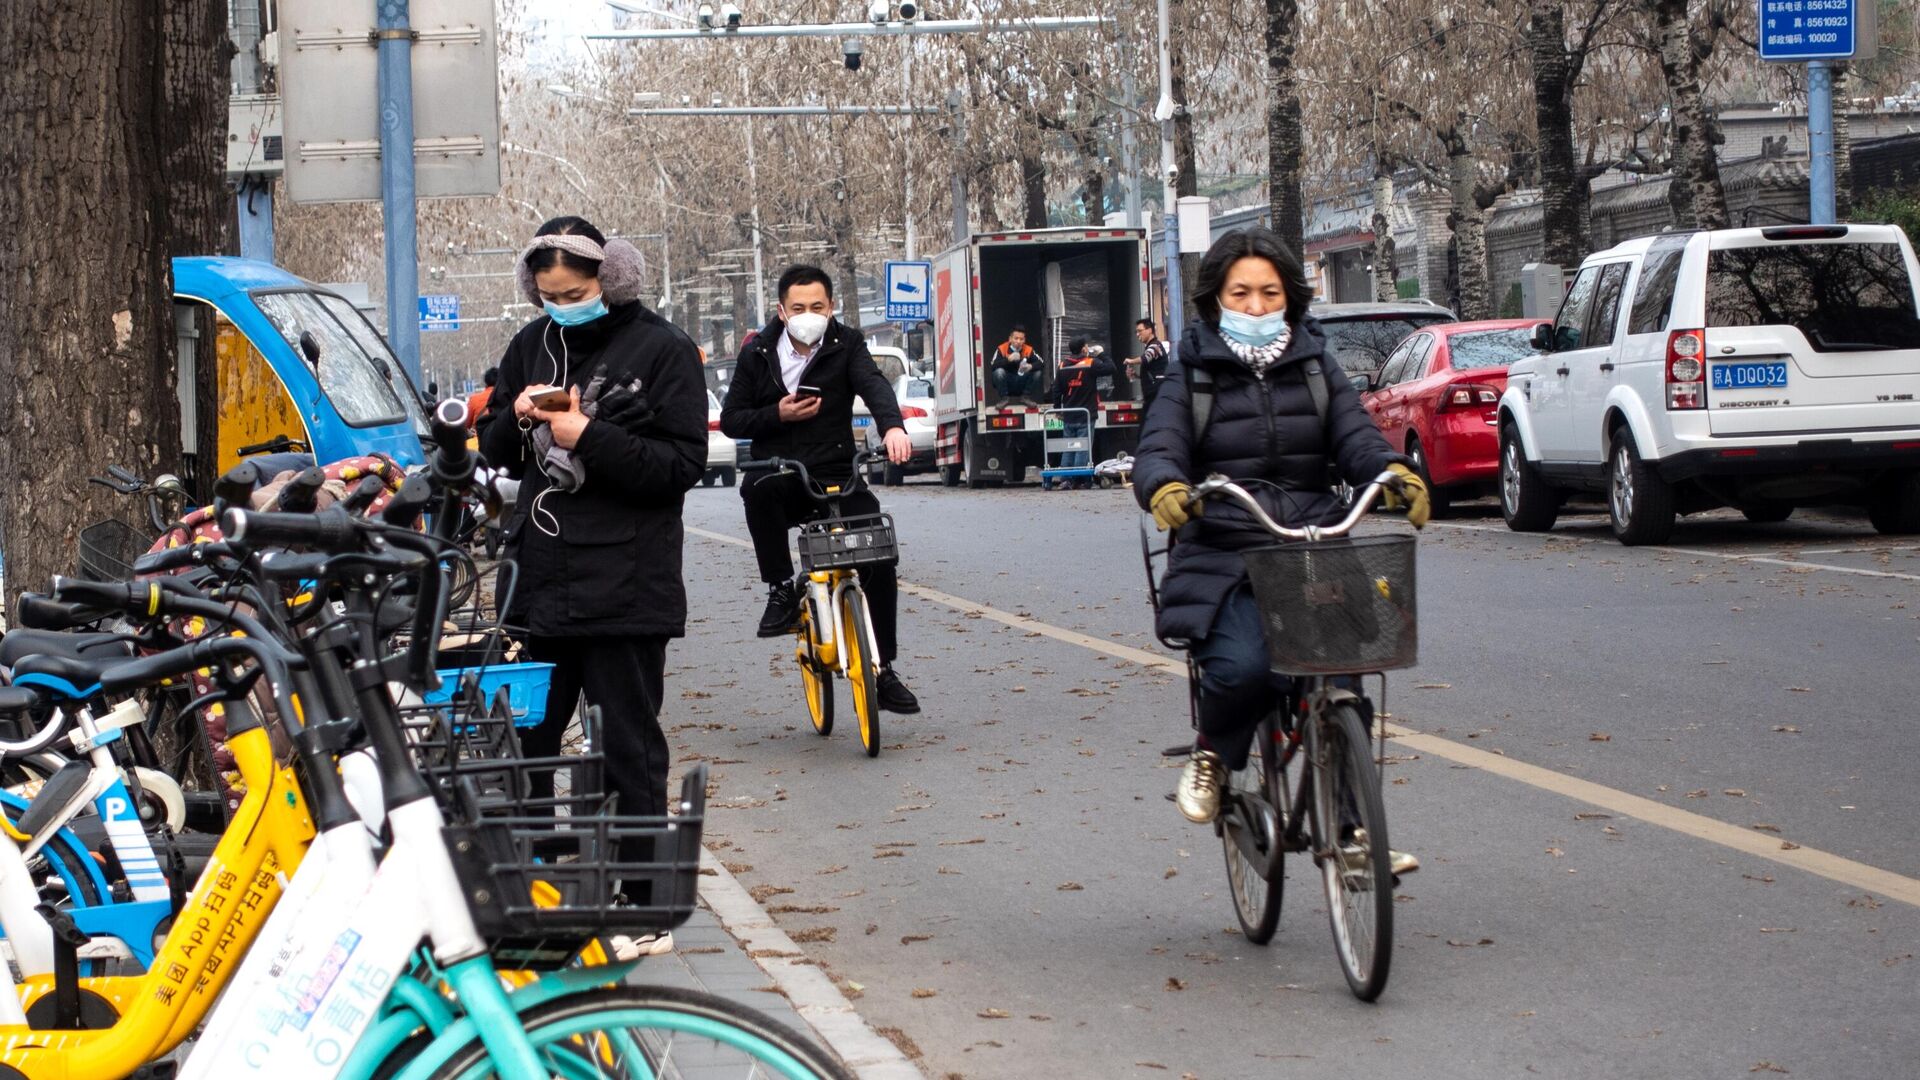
(1555,852)
(921,992)
(1764,827)
(1766,1066)
(1697,793)
(911,938)
(1070,886)
(1175,984)
(1787,728)
(1171,873)
(1599,736)
(1799,690)
(994,1014)
(1735,792)
(1788,845)
(1592,815)
(1433,686)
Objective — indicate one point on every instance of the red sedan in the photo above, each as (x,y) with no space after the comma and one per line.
(1436,398)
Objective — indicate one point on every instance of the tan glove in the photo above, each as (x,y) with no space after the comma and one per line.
(1413,496)
(1169,505)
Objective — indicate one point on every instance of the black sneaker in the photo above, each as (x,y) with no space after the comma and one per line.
(783,610)
(894,695)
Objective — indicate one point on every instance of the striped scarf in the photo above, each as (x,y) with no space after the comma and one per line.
(1259,358)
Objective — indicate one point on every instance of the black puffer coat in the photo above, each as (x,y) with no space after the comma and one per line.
(1263,429)
(841,369)
(615,567)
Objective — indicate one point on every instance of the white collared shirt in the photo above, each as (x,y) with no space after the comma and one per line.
(793,362)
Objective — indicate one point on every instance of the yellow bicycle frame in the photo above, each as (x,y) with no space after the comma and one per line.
(262,847)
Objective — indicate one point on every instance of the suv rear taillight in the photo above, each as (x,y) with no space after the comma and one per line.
(1687,369)
(1468,396)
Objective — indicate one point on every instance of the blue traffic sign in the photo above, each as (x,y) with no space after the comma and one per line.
(1792,30)
(440,312)
(907,291)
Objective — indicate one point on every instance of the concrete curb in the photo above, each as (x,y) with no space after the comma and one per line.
(868,1054)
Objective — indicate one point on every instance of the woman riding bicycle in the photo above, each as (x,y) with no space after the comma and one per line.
(1255,357)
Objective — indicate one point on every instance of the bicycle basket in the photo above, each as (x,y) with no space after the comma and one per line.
(541,887)
(848,542)
(1337,607)
(107,550)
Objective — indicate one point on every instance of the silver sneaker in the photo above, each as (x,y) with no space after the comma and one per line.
(626,947)
(1354,856)
(1198,795)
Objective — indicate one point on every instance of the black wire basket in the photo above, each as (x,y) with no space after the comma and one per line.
(541,885)
(1337,607)
(848,543)
(107,550)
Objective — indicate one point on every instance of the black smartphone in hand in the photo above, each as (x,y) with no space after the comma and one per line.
(805,392)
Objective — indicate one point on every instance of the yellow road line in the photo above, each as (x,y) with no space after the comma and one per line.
(1858,875)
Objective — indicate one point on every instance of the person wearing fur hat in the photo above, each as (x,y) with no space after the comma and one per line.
(596,531)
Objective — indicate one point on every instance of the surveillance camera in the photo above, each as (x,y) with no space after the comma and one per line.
(909,11)
(730,14)
(851,51)
(706,16)
(879,12)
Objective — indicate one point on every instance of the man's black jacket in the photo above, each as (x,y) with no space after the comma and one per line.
(841,368)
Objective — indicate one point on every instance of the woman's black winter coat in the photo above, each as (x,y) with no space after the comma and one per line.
(615,567)
(1265,429)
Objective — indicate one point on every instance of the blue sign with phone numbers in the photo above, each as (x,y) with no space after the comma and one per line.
(1793,30)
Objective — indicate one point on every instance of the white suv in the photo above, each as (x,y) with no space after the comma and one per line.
(1762,369)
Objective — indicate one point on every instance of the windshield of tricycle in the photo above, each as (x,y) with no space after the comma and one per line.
(355,369)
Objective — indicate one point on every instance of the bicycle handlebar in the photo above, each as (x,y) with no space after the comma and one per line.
(331,529)
(799,468)
(1217,486)
(37,612)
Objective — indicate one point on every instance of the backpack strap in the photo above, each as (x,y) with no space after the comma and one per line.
(1317,386)
(1199,396)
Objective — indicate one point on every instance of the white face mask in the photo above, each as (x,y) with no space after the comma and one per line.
(807,328)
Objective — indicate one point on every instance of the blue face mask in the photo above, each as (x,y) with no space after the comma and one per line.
(1251,329)
(575,314)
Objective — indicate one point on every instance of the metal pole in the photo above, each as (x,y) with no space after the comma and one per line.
(254,195)
(1163,111)
(1129,142)
(958,183)
(395,37)
(1820,201)
(753,185)
(791,110)
(906,148)
(1176,303)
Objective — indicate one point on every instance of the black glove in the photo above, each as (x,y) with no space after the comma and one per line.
(625,409)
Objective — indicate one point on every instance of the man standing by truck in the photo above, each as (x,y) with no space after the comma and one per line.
(1077,385)
(1016,367)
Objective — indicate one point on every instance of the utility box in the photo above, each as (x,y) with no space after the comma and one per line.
(1542,287)
(254,146)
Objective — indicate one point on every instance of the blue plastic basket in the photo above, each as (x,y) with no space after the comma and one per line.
(526,685)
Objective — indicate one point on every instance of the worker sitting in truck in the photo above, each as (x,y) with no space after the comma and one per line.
(1016,367)
(1077,384)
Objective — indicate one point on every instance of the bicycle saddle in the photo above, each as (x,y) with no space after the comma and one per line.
(16,700)
(20,644)
(73,676)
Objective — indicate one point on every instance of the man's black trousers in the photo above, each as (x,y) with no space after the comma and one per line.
(623,676)
(776,503)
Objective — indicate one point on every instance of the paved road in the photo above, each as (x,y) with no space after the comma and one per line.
(1007,890)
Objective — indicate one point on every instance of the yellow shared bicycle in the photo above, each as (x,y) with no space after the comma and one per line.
(835,630)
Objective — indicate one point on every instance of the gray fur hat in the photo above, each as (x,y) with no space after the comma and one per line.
(622,267)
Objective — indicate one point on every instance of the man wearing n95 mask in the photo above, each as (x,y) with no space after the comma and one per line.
(792,394)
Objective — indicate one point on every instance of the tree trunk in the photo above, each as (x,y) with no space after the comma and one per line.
(1033,182)
(1285,139)
(200,208)
(1842,146)
(86,323)
(1095,194)
(1563,187)
(1386,268)
(742,313)
(1469,222)
(1695,131)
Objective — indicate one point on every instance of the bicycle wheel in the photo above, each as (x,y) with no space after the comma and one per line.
(856,632)
(656,1031)
(818,685)
(64,872)
(1252,822)
(1350,840)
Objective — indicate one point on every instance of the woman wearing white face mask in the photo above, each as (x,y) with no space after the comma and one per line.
(792,394)
(596,530)
(1282,418)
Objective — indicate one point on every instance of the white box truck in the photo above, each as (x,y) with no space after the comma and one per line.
(1060,284)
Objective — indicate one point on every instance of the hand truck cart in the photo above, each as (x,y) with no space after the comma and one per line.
(1066,447)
